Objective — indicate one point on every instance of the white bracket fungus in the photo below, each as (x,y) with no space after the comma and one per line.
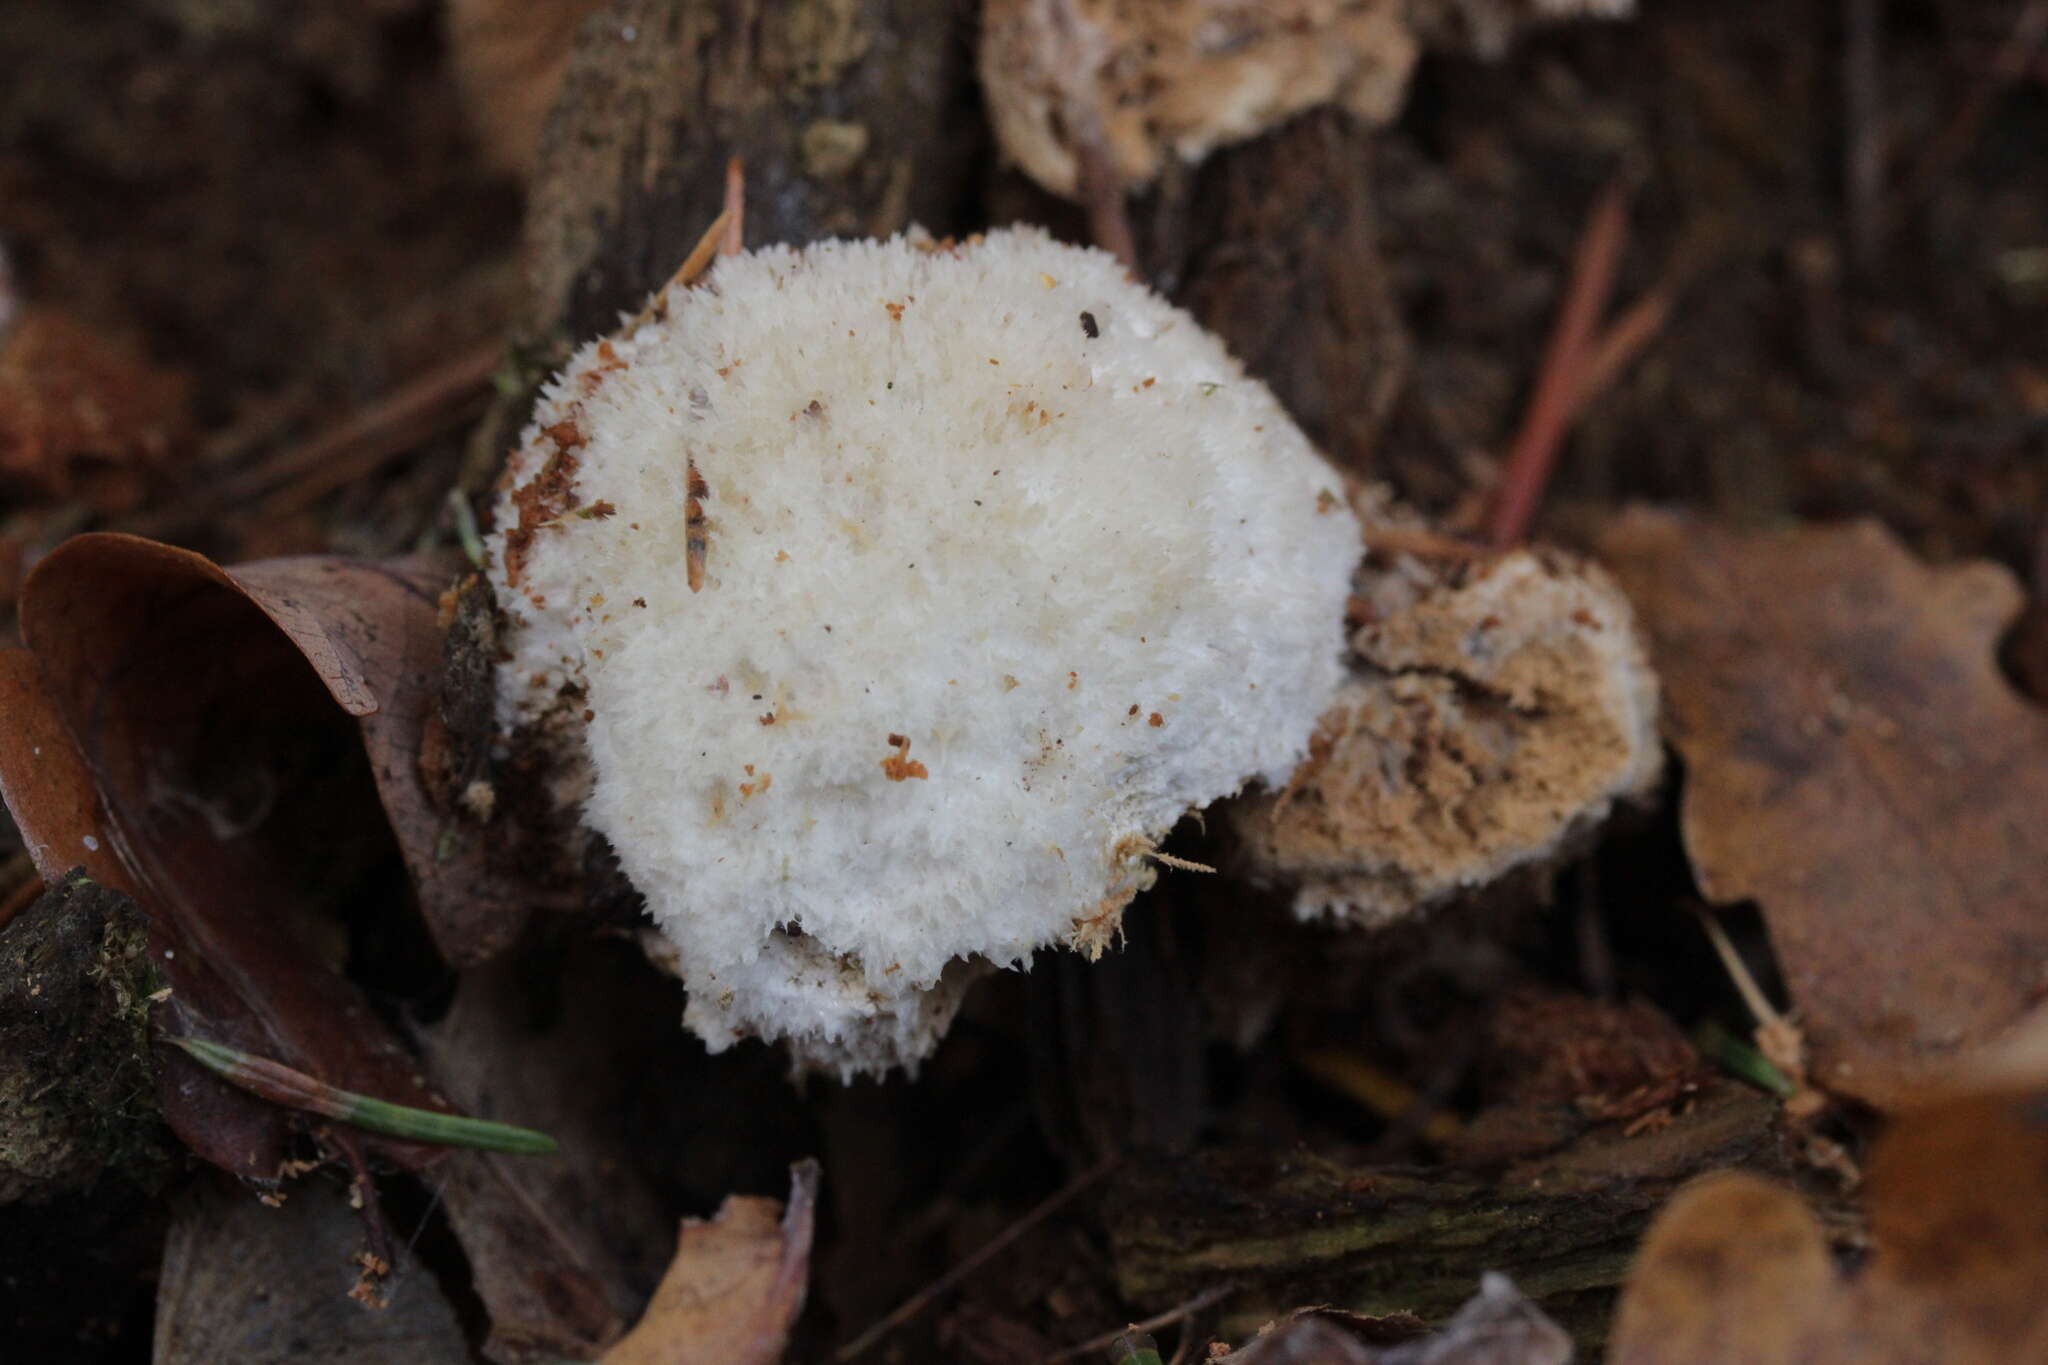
(900,596)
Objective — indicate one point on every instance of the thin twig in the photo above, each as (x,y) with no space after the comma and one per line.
(722,238)
(1738,971)
(1178,864)
(376,1232)
(1179,1312)
(369,456)
(1607,355)
(1533,454)
(917,1302)
(1102,194)
(735,214)
(695,264)
(429,402)
(444,397)
(1422,543)
(1386,1095)
(1778,1038)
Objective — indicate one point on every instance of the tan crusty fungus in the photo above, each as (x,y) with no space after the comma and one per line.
(1499,706)
(1138,83)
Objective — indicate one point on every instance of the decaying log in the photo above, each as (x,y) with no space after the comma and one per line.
(1291,1227)
(848,116)
(1274,246)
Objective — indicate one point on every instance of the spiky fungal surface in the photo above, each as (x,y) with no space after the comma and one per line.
(899,597)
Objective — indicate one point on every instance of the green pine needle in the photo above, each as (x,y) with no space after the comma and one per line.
(294,1089)
(1135,1348)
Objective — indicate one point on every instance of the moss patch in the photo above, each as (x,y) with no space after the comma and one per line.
(77,1092)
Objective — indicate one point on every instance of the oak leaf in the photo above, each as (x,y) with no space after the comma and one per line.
(1858,766)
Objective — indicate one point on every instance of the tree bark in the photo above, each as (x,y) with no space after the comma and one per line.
(1291,1228)
(852,118)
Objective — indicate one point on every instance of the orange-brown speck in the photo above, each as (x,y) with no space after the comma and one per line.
(1155,720)
(696,542)
(899,766)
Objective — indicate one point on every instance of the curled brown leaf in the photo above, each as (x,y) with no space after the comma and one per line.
(215,744)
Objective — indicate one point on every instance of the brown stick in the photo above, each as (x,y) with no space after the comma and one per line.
(1533,454)
(917,1302)
(439,400)
(1102,194)
(1610,353)
(1177,1313)
(735,214)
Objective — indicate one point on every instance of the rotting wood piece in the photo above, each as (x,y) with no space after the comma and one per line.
(660,93)
(1273,245)
(1297,1228)
(850,120)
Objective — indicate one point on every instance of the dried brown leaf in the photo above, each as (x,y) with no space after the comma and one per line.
(1736,1268)
(371,631)
(258,1285)
(1858,766)
(561,1252)
(188,739)
(1496,1326)
(84,415)
(734,1287)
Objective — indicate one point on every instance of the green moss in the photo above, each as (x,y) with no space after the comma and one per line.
(77,1080)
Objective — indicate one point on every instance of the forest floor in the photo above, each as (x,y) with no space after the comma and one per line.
(261,248)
